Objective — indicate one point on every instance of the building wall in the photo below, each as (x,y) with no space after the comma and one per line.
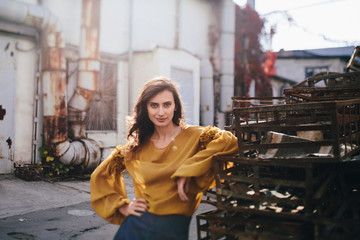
(69,15)
(163,62)
(294,69)
(166,36)
(17,86)
(24,104)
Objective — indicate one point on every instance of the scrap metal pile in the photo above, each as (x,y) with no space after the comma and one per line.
(296,175)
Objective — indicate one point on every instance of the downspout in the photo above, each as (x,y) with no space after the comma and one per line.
(81,151)
(206,93)
(130,56)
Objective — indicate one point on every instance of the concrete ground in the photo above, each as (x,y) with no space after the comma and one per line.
(58,210)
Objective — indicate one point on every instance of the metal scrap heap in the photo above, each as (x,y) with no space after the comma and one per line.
(296,175)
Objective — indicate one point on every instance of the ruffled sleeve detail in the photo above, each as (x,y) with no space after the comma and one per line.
(107,187)
(117,159)
(199,167)
(208,134)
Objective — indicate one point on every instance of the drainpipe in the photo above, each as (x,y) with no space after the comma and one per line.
(89,68)
(81,151)
(227,43)
(206,93)
(130,57)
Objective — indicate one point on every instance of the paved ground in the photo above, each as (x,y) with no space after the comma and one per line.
(59,210)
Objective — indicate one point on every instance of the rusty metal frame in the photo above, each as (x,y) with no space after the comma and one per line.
(316,94)
(339,120)
(329,193)
(220,224)
(331,79)
(239,187)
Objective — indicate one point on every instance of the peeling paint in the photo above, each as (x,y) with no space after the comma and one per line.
(9,142)
(2,113)
(7,47)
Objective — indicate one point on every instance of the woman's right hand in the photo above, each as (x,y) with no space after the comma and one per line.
(134,207)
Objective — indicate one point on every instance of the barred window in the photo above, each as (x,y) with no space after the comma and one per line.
(101,115)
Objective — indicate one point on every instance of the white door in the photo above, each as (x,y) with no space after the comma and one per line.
(184,79)
(7,104)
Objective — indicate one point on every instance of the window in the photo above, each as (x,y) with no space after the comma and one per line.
(311,71)
(101,115)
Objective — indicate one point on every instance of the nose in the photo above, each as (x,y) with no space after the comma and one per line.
(161,110)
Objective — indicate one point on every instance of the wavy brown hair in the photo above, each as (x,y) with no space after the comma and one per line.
(141,128)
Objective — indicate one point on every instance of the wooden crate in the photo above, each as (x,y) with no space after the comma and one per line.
(314,132)
(29,172)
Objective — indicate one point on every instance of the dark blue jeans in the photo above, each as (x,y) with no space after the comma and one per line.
(154,227)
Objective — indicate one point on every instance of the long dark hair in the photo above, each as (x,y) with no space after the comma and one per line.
(141,128)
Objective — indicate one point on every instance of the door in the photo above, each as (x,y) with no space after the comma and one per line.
(184,78)
(7,104)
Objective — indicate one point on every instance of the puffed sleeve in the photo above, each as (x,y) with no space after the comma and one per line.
(200,166)
(107,187)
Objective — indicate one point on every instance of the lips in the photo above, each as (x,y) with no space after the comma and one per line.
(161,119)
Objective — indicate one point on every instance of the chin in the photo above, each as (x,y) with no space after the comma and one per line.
(163,124)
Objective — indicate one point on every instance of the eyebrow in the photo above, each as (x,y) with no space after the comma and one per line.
(160,103)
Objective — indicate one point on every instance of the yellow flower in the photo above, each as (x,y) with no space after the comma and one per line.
(49,159)
(39,163)
(50,174)
(42,169)
(45,152)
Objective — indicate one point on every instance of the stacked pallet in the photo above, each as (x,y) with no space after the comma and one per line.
(297,172)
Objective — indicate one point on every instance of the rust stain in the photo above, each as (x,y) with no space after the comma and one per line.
(53,52)
(87,94)
(91,25)
(55,129)
(92,43)
(2,113)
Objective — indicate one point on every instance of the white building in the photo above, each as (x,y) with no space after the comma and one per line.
(297,65)
(56,59)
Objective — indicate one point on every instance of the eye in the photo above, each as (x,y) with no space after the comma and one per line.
(167,104)
(153,105)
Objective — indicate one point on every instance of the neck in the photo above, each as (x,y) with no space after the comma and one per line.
(167,132)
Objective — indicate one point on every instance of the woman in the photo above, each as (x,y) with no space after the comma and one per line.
(170,163)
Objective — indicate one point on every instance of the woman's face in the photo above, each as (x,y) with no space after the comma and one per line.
(161,108)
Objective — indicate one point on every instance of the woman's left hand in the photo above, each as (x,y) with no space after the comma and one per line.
(183,187)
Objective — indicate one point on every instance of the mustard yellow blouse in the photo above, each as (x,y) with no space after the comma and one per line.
(154,172)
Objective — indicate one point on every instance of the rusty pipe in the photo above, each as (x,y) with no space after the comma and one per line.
(79,151)
(89,67)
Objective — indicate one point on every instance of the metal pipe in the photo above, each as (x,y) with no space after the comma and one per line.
(89,67)
(206,93)
(130,56)
(54,83)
